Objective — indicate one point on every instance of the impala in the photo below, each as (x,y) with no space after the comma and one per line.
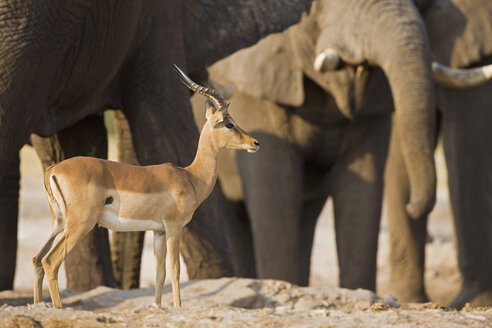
(85,191)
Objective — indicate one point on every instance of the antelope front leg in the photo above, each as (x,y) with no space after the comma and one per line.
(160,250)
(173,234)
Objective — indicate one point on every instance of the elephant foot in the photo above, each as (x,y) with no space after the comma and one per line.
(473,295)
(410,298)
(416,298)
(405,294)
(484,299)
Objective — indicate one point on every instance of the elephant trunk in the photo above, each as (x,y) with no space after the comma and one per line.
(401,49)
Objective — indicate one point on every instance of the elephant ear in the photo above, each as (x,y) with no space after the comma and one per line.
(460,31)
(266,70)
(215,29)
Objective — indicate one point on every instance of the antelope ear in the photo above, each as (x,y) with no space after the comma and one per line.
(209,109)
(219,117)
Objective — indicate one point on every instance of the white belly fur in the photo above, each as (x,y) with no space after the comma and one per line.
(112,221)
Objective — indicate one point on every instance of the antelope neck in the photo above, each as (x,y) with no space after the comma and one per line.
(205,165)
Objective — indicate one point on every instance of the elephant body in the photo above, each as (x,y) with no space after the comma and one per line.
(326,133)
(308,153)
(63,63)
(460,34)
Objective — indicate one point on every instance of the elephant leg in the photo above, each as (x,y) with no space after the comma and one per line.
(272,183)
(126,247)
(204,245)
(315,196)
(18,116)
(89,263)
(466,140)
(9,199)
(239,237)
(357,199)
(311,210)
(407,235)
(126,257)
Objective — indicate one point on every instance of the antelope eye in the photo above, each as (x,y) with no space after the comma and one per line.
(229,125)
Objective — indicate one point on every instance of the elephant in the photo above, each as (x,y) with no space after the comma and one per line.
(63,63)
(319,98)
(460,34)
(324,120)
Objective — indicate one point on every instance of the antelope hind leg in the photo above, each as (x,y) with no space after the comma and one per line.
(36,261)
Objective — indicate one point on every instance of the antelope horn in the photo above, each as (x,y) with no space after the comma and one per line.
(326,61)
(461,77)
(217,99)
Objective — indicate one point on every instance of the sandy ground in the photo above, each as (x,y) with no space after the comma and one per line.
(233,302)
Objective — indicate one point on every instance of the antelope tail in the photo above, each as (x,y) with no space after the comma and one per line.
(53,192)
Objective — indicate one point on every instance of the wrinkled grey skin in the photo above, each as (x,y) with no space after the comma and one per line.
(460,34)
(327,134)
(65,61)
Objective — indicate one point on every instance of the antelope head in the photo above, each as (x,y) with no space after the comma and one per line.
(220,124)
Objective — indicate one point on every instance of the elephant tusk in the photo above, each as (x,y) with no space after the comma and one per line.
(326,61)
(461,77)
(227,91)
